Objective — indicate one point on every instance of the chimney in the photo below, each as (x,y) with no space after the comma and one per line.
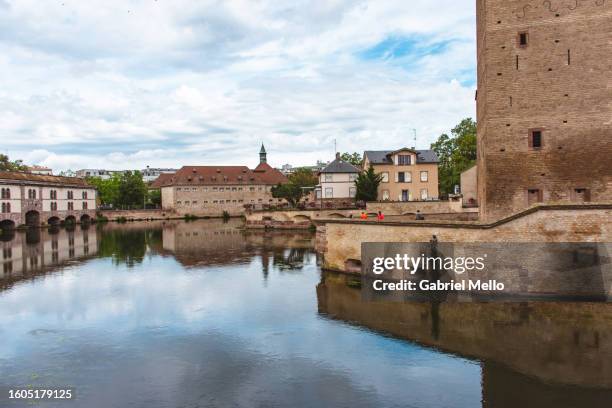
(337,155)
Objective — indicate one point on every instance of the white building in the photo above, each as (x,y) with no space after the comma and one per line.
(45,171)
(149,174)
(337,180)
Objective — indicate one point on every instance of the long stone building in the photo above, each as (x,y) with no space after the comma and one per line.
(32,199)
(210,190)
(544,103)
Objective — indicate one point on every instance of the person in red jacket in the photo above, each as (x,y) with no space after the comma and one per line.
(363,215)
(380,216)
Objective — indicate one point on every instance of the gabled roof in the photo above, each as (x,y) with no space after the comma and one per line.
(207,175)
(7,176)
(161,179)
(384,156)
(340,166)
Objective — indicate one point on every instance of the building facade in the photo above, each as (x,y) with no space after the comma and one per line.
(34,199)
(543,103)
(210,190)
(407,174)
(337,181)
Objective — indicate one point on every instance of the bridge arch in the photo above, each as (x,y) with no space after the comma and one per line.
(53,220)
(301,217)
(7,225)
(32,218)
(70,220)
(85,219)
(336,215)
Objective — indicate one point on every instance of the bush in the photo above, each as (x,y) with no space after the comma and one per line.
(226,215)
(101,219)
(121,220)
(190,217)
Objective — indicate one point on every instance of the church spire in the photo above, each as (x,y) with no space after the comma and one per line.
(262,154)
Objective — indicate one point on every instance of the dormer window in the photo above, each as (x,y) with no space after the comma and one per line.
(403,160)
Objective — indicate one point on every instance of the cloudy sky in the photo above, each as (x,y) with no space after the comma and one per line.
(164,83)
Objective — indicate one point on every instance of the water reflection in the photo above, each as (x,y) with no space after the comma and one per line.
(167,314)
(30,253)
(534,354)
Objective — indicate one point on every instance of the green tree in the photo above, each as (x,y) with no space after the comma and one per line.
(289,191)
(155,197)
(108,190)
(132,190)
(456,153)
(7,165)
(303,177)
(367,185)
(353,158)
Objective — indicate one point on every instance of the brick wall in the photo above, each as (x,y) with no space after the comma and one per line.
(560,83)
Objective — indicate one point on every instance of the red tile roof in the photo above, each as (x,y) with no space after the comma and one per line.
(161,180)
(41,178)
(206,175)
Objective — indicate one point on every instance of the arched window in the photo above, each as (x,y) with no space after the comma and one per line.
(84,195)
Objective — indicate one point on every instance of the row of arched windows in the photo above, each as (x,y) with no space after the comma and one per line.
(6,208)
(5,193)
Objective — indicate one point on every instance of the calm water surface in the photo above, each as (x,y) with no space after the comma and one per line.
(203,314)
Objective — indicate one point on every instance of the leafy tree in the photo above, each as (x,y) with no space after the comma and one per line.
(353,158)
(303,177)
(367,185)
(7,165)
(289,191)
(456,153)
(132,189)
(155,197)
(108,190)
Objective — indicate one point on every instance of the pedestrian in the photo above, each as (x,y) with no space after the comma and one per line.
(380,216)
(363,215)
(419,216)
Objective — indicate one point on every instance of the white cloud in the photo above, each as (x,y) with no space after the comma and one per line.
(129,84)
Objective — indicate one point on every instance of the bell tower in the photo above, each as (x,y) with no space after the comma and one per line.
(262,154)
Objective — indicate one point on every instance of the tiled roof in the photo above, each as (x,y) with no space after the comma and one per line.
(340,166)
(205,175)
(41,178)
(161,179)
(380,156)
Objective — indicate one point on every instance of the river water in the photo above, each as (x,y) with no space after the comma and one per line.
(205,314)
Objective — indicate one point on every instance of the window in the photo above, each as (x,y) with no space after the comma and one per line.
(221,189)
(403,160)
(6,193)
(523,39)
(32,194)
(53,194)
(329,192)
(404,177)
(535,138)
(581,195)
(214,189)
(6,208)
(534,195)
(329,177)
(251,189)
(385,195)
(84,205)
(84,195)
(70,195)
(352,177)
(385,177)
(352,192)
(7,253)
(70,206)
(424,194)
(233,188)
(178,189)
(424,176)
(53,206)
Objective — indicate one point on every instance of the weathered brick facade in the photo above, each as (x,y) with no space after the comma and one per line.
(560,83)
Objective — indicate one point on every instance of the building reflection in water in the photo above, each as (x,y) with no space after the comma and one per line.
(27,254)
(533,354)
(215,242)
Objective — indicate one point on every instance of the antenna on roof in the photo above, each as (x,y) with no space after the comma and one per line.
(414,146)
(335,147)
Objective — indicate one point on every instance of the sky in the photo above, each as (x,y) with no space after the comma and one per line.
(126,84)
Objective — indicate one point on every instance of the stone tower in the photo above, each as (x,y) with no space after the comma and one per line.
(544,103)
(262,154)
